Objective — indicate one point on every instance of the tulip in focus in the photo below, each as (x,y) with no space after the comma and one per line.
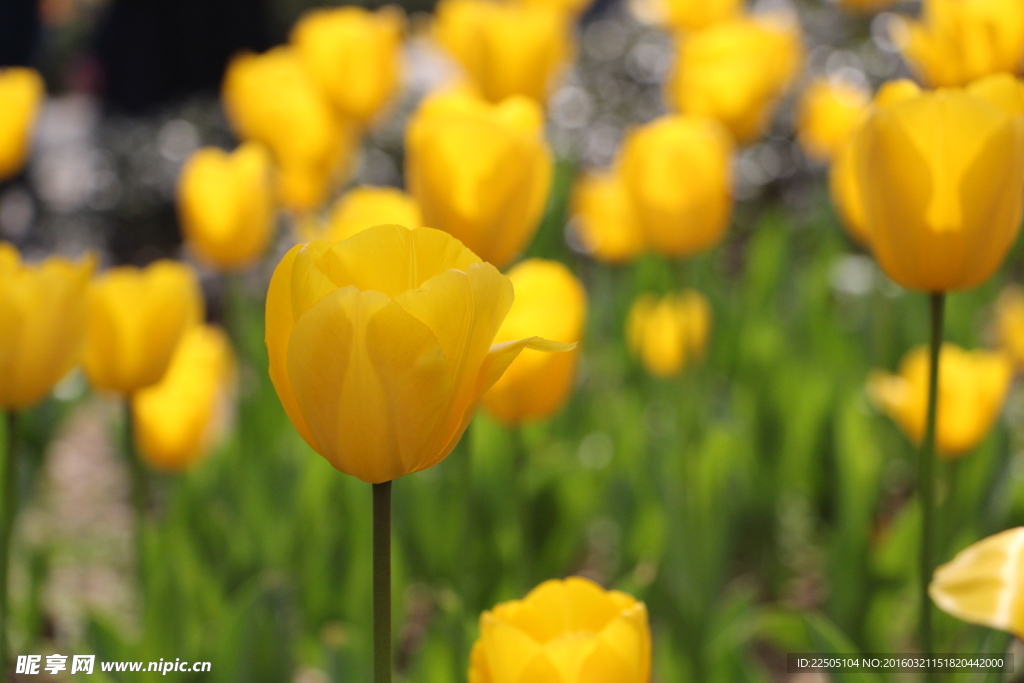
(137,317)
(272,99)
(43,308)
(226,205)
(177,420)
(550,302)
(353,55)
(605,221)
(1009,323)
(365,207)
(736,71)
(983,583)
(830,112)
(505,49)
(381,346)
(665,333)
(685,15)
(21,96)
(957,41)
(972,387)
(677,171)
(942,181)
(570,631)
(480,171)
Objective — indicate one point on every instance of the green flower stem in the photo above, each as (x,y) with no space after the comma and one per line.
(382,582)
(8,506)
(140,490)
(926,477)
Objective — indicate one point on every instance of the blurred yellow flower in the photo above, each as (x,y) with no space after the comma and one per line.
(570,631)
(271,98)
(972,387)
(226,205)
(605,220)
(664,333)
(942,181)
(177,420)
(137,317)
(505,49)
(568,7)
(735,71)
(677,170)
(1009,323)
(957,41)
(43,309)
(830,111)
(550,302)
(982,584)
(364,207)
(21,95)
(685,15)
(381,345)
(354,55)
(480,171)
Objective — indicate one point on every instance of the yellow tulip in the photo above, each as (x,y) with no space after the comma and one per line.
(830,112)
(551,302)
(982,584)
(365,207)
(677,170)
(354,55)
(177,420)
(685,15)
(605,220)
(942,181)
(1009,323)
(957,41)
(570,631)
(480,172)
(972,387)
(505,49)
(21,95)
(663,333)
(272,99)
(381,345)
(736,71)
(137,317)
(570,8)
(226,205)
(43,309)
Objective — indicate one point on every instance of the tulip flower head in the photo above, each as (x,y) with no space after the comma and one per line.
(353,55)
(550,302)
(605,220)
(983,583)
(480,171)
(226,205)
(21,95)
(677,171)
(381,346)
(178,419)
(43,308)
(685,15)
(569,8)
(365,207)
(570,631)
(829,113)
(972,388)
(665,333)
(137,317)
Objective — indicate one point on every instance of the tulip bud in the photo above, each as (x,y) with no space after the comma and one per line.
(685,15)
(956,41)
(365,207)
(942,179)
(381,345)
(270,98)
(677,170)
(178,419)
(982,584)
(353,55)
(480,172)
(21,95)
(1009,323)
(604,219)
(972,387)
(137,317)
(664,333)
(505,49)
(735,71)
(226,205)
(550,302)
(830,111)
(570,631)
(43,309)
